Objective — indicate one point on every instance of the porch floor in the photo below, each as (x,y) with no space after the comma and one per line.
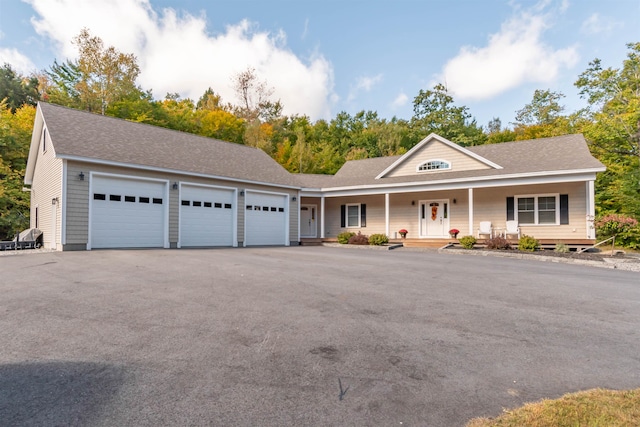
(573,244)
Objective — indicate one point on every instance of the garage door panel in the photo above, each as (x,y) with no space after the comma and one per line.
(127,213)
(206,216)
(266,219)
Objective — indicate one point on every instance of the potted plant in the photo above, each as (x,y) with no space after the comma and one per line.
(403,233)
(454,233)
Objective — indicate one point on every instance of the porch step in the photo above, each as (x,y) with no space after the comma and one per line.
(423,243)
(306,241)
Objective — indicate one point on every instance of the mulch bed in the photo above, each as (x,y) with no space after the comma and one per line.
(589,256)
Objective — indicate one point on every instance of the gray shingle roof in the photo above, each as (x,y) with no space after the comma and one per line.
(82,134)
(535,156)
(85,135)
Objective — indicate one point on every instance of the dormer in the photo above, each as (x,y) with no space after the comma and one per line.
(436,154)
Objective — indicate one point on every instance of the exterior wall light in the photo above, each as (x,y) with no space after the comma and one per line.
(175,185)
(81,176)
(241,193)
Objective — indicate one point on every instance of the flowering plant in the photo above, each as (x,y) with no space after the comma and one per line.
(403,232)
(454,232)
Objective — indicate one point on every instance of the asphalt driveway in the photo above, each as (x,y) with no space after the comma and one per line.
(266,336)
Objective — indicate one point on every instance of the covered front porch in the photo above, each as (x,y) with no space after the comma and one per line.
(431,216)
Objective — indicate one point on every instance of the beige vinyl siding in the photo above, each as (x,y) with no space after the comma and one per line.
(436,150)
(78,199)
(490,205)
(47,185)
(375,214)
(77,205)
(293,218)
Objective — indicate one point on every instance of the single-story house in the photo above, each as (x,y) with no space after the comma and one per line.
(102,182)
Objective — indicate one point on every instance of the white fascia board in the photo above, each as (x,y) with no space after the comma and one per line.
(34,147)
(311,192)
(466,183)
(172,171)
(444,141)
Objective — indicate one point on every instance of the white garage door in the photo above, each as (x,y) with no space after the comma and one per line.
(266,219)
(127,213)
(206,216)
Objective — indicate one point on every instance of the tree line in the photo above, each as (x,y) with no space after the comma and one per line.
(103,81)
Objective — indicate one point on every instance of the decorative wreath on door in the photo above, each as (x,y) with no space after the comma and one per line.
(434,213)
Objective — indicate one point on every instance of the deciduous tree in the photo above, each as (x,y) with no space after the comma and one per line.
(435,111)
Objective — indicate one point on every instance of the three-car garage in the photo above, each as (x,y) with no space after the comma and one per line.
(131,212)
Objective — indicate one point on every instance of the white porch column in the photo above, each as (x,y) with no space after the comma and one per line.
(591,210)
(386,213)
(471,212)
(322,217)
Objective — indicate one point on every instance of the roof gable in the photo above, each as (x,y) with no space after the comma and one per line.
(436,148)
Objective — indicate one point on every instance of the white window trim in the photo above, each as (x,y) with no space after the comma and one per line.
(434,170)
(346,215)
(535,208)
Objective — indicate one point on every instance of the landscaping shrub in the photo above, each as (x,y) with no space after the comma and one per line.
(625,228)
(467,242)
(359,239)
(528,243)
(343,238)
(378,239)
(561,248)
(498,242)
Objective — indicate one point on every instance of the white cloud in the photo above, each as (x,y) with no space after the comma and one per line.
(19,62)
(177,53)
(363,84)
(400,101)
(513,56)
(596,24)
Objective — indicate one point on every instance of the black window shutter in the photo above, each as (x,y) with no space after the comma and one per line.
(343,216)
(510,208)
(363,215)
(564,209)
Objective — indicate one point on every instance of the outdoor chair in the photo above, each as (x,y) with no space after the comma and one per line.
(485,229)
(512,229)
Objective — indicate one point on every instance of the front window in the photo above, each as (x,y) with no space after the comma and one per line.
(533,210)
(353,215)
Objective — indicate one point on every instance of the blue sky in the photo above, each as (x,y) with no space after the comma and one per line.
(323,57)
